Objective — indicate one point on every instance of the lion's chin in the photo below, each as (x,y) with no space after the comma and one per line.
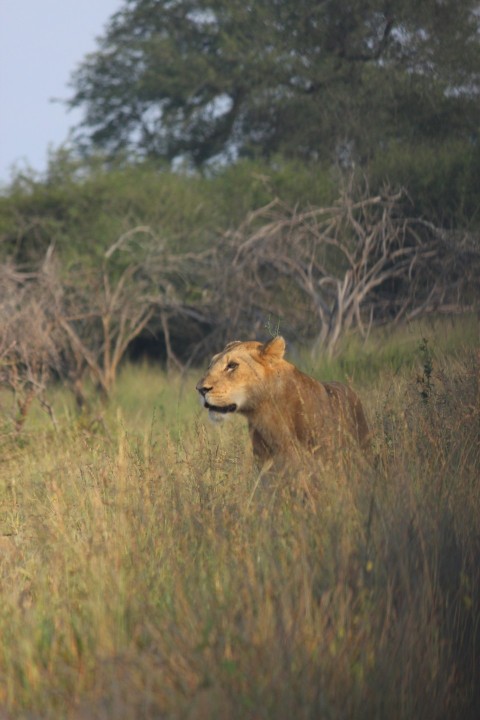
(218,418)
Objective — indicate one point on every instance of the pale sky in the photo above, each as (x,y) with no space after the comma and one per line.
(41,42)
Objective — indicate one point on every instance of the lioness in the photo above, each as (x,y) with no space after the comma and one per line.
(287,411)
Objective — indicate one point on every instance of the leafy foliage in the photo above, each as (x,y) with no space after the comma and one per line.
(441,180)
(204,79)
(83,207)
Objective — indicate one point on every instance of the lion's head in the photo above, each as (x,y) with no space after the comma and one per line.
(236,376)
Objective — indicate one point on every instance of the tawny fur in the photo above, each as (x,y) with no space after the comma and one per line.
(287,411)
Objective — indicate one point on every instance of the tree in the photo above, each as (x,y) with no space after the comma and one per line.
(329,270)
(101,310)
(67,322)
(203,78)
(31,346)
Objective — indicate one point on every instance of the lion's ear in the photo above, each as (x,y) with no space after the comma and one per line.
(274,349)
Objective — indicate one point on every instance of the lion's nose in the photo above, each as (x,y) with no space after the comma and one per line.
(202,389)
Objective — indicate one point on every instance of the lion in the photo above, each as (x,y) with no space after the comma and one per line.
(288,412)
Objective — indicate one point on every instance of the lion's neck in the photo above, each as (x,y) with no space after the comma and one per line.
(271,422)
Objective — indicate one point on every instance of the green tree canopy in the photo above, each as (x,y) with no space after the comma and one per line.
(328,79)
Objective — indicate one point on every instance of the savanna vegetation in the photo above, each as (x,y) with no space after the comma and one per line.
(146,573)
(244,169)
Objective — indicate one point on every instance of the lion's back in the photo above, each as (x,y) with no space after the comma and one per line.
(323,415)
(348,407)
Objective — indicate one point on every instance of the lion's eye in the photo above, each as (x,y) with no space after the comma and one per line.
(232,365)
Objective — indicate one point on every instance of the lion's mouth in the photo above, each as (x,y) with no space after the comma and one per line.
(222,409)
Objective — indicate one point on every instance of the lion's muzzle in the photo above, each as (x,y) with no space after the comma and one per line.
(222,409)
(202,389)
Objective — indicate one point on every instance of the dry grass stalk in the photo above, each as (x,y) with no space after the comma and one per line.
(141,582)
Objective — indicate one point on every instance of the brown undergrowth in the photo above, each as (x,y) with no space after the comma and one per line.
(146,574)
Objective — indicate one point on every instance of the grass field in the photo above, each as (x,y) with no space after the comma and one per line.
(144,573)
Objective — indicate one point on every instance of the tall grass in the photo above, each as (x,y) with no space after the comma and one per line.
(145,573)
